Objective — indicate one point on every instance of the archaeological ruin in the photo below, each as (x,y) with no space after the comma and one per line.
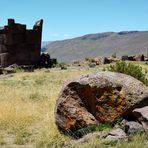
(20,45)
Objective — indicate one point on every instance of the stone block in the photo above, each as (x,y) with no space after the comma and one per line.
(12,39)
(11,22)
(5,59)
(33,37)
(3,48)
(2,38)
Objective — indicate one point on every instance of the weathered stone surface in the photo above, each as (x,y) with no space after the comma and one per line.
(142,116)
(133,127)
(86,138)
(20,45)
(116,134)
(139,57)
(103,97)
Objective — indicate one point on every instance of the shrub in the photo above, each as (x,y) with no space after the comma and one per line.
(90,59)
(129,69)
(62,65)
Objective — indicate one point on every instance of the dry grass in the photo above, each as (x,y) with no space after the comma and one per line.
(27,102)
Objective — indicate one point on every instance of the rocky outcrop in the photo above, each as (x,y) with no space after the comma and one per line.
(98,98)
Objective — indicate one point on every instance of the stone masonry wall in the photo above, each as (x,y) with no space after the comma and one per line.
(19,45)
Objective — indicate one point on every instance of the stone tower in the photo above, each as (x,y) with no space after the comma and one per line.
(19,45)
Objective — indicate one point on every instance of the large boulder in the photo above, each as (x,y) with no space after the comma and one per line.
(98,98)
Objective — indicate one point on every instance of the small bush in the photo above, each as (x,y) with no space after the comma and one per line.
(76,62)
(62,65)
(90,59)
(129,69)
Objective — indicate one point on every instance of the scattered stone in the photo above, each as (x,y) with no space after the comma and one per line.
(9,70)
(133,58)
(142,116)
(124,58)
(106,60)
(92,65)
(13,66)
(139,57)
(133,127)
(98,98)
(116,134)
(86,138)
(27,68)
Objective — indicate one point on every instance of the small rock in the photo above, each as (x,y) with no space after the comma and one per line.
(133,127)
(116,134)
(86,138)
(142,115)
(8,70)
(92,65)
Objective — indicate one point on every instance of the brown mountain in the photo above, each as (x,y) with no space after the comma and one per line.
(100,44)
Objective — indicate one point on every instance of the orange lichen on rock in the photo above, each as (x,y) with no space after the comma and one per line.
(98,98)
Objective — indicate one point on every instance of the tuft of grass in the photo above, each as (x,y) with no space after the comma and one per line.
(138,140)
(2,141)
(22,136)
(93,128)
(110,143)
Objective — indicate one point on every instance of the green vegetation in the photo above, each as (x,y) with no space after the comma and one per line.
(93,128)
(62,65)
(90,59)
(131,69)
(22,137)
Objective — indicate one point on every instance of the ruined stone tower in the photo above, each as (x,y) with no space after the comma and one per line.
(19,45)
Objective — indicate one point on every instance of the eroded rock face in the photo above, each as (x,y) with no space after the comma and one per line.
(98,98)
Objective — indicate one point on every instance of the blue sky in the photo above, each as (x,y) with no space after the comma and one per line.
(71,18)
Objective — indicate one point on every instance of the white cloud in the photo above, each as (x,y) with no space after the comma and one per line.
(58,36)
(55,35)
(66,35)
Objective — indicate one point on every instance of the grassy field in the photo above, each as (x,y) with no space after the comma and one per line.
(27,102)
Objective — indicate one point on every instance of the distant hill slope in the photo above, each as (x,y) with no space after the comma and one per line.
(44,43)
(100,44)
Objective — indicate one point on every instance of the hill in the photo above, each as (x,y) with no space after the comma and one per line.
(99,44)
